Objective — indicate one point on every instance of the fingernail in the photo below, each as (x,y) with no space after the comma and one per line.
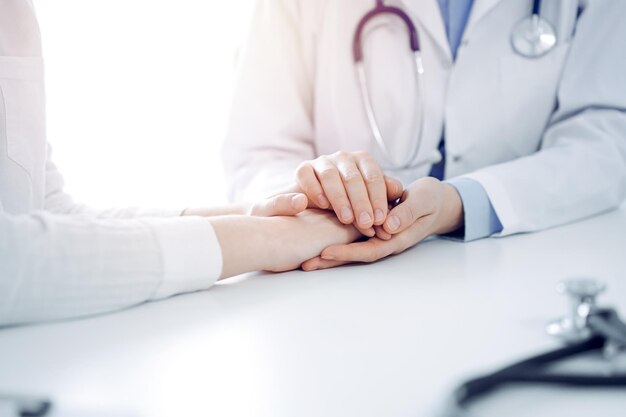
(346,214)
(322,201)
(365,218)
(394,223)
(328,257)
(379,215)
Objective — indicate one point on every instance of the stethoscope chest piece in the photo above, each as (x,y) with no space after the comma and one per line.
(582,294)
(533,37)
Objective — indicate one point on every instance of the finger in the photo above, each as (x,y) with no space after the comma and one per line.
(381,233)
(406,213)
(368,251)
(357,193)
(332,184)
(369,232)
(308,183)
(319,263)
(375,183)
(394,189)
(280,205)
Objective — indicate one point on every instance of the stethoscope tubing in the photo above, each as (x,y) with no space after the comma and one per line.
(358,56)
(605,325)
(526,40)
(380,10)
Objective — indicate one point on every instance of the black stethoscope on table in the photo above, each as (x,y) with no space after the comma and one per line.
(588,329)
(532,37)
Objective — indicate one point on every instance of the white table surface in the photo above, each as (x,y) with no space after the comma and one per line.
(387,339)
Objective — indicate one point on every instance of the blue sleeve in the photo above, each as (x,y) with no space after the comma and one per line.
(480,219)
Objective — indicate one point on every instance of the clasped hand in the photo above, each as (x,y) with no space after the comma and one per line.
(393,219)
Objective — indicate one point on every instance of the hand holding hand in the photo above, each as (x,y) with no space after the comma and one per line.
(352,184)
(427,207)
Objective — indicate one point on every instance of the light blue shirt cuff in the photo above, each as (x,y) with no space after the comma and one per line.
(480,219)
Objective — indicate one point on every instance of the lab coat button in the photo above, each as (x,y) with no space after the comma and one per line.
(456,158)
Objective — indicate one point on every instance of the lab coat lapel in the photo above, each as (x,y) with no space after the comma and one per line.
(428,14)
(479,10)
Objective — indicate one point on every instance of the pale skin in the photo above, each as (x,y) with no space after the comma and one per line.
(353,185)
(267,235)
(276,243)
(350,197)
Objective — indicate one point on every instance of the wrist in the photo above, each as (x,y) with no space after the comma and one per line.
(452,210)
(244,243)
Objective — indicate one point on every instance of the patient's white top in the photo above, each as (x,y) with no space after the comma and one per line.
(59,259)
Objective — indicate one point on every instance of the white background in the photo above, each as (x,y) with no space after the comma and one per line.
(138,97)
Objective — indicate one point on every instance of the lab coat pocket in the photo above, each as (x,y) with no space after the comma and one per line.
(529,88)
(22,108)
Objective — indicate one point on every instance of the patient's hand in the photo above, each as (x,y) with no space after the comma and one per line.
(288,204)
(304,236)
(279,243)
(285,204)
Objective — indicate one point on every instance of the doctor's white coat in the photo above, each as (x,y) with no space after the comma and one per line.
(545,137)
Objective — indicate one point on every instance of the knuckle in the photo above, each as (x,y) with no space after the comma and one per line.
(303,171)
(337,198)
(274,204)
(327,173)
(376,255)
(341,155)
(408,215)
(374,177)
(352,176)
(335,192)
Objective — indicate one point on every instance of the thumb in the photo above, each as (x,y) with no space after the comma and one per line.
(280,205)
(409,211)
(296,189)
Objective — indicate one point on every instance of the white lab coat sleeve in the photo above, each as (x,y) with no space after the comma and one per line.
(59,202)
(271,129)
(55,267)
(580,169)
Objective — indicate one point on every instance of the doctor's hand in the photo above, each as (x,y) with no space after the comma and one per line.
(427,207)
(353,185)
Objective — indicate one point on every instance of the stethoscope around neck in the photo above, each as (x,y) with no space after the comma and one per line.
(414,44)
(532,37)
